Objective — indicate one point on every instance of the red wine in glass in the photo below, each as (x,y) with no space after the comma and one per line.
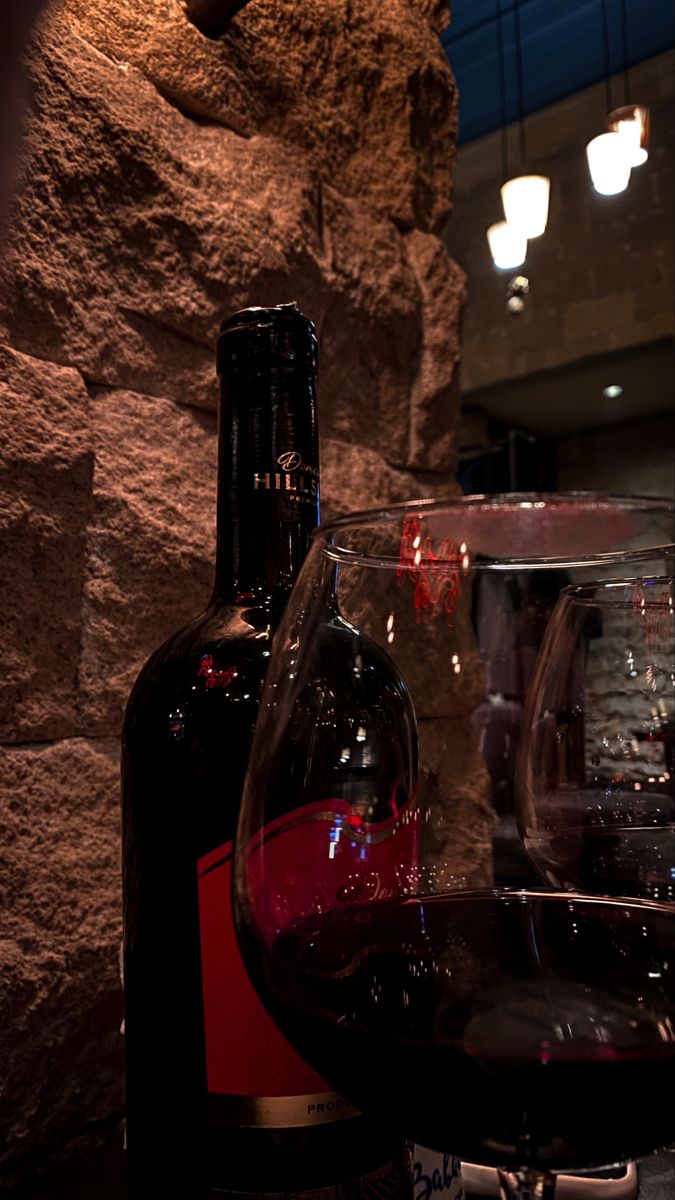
(536,1029)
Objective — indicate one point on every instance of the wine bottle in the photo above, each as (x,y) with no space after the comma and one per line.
(216,1099)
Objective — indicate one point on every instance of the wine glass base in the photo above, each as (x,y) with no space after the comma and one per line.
(526,1185)
(485,1181)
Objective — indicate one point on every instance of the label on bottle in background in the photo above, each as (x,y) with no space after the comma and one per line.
(321,854)
(436,1174)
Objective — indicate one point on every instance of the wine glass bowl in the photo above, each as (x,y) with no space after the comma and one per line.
(596,779)
(529,1029)
(512,1026)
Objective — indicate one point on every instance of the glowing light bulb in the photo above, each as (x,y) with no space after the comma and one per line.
(608,163)
(507,246)
(525,201)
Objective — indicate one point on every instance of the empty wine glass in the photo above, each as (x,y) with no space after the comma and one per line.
(596,788)
(519,1028)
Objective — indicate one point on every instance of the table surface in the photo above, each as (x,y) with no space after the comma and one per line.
(100,1176)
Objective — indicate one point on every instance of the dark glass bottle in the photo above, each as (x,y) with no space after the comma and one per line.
(199,1046)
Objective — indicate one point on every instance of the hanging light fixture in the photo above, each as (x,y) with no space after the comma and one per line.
(525,198)
(508,246)
(608,163)
(631,121)
(607,154)
(525,201)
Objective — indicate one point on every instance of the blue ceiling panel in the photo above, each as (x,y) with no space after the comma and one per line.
(562,51)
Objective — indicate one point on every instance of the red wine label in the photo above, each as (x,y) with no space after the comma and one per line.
(254,1076)
(317,855)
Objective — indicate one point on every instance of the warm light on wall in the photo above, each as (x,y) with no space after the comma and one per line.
(525,201)
(608,163)
(632,123)
(508,246)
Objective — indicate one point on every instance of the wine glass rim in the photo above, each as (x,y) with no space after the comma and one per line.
(587,593)
(328,534)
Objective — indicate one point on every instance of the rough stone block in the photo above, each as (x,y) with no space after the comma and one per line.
(151,542)
(45,495)
(138,230)
(370,325)
(435,400)
(60,1002)
(354,477)
(346,81)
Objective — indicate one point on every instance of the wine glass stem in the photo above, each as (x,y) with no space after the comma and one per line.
(526,1184)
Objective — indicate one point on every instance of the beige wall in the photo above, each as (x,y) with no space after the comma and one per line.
(602,274)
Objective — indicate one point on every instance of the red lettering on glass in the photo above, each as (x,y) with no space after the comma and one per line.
(434,573)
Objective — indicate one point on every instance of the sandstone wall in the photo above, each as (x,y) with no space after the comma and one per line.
(168,179)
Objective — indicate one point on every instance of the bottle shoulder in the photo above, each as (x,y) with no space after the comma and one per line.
(222,651)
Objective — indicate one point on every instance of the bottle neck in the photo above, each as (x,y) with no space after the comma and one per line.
(268,479)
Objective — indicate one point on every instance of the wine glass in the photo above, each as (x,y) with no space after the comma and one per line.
(596,804)
(369,883)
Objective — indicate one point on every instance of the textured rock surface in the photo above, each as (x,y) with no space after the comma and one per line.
(358,85)
(435,393)
(461,818)
(134,235)
(354,478)
(61,928)
(169,179)
(151,541)
(46,463)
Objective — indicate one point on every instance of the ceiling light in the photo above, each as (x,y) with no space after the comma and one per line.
(612,391)
(608,163)
(507,245)
(632,123)
(525,201)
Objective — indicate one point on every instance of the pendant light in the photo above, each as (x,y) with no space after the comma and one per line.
(608,154)
(508,245)
(631,121)
(608,163)
(525,201)
(525,198)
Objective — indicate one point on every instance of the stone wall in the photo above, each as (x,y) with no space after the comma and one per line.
(167,180)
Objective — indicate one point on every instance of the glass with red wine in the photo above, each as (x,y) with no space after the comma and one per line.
(386,912)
